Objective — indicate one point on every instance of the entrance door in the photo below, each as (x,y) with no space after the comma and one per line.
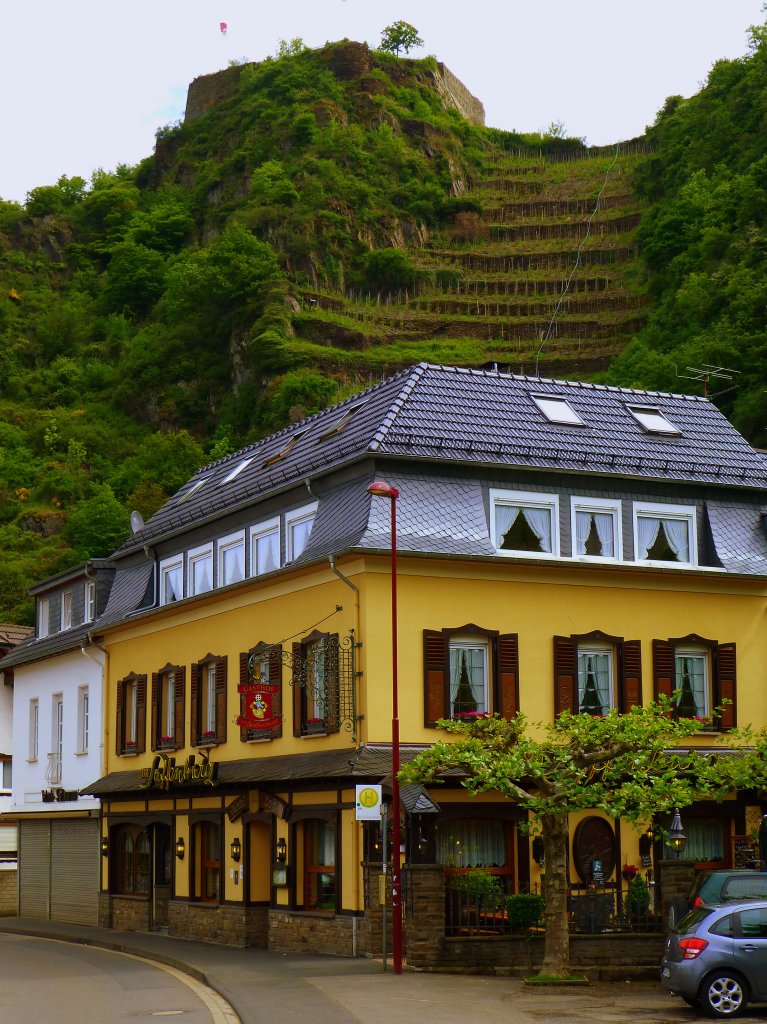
(159,835)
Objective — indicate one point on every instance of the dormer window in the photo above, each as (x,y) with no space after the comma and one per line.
(66,610)
(298,527)
(524,523)
(558,410)
(652,420)
(171,579)
(43,617)
(665,533)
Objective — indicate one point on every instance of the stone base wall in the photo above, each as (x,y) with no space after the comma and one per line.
(129,914)
(675,878)
(305,932)
(623,955)
(9,895)
(227,924)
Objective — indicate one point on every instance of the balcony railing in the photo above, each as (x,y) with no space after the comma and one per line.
(53,771)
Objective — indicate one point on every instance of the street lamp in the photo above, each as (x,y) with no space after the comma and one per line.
(380,489)
(677,840)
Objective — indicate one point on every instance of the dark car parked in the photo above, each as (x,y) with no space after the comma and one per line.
(720,886)
(716,957)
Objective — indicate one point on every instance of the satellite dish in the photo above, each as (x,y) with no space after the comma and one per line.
(136,522)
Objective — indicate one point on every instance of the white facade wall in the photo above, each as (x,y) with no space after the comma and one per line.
(57,678)
(6,736)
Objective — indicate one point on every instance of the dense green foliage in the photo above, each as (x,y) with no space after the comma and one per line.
(704,241)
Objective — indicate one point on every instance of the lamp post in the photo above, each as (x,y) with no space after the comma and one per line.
(381,489)
(677,840)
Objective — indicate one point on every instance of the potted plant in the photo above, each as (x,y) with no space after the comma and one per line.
(629,872)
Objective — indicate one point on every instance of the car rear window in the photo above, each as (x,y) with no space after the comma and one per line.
(690,921)
(724,927)
(746,888)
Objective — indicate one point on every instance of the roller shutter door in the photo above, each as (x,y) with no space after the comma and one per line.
(75,876)
(34,869)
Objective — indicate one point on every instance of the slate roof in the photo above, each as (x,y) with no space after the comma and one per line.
(448,414)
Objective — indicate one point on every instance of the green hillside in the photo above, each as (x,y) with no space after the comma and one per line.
(318,221)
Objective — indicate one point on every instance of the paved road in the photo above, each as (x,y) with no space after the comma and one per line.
(45,980)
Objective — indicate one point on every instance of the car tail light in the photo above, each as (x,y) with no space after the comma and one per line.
(697,902)
(692,947)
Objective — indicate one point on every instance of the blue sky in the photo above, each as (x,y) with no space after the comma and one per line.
(86,83)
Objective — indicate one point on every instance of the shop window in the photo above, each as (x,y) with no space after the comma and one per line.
(319,865)
(698,675)
(208,701)
(130,733)
(132,860)
(207,853)
(595,673)
(469,671)
(168,707)
(316,698)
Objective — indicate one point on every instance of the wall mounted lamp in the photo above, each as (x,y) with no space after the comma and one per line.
(677,840)
(235,848)
(180,847)
(104,846)
(282,851)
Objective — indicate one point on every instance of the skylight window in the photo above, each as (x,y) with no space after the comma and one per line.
(284,451)
(192,490)
(339,425)
(558,410)
(234,473)
(651,419)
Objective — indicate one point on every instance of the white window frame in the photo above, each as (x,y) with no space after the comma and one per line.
(603,505)
(597,648)
(298,517)
(471,643)
(57,726)
(34,730)
(704,654)
(66,610)
(208,703)
(653,420)
(83,723)
(89,601)
(195,556)
(225,544)
(260,532)
(168,565)
(557,409)
(130,711)
(680,513)
(43,617)
(526,499)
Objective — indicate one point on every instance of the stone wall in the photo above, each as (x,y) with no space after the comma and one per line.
(226,924)
(128,913)
(9,896)
(306,932)
(674,881)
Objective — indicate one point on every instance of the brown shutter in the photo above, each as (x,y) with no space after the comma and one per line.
(243,696)
(194,706)
(507,674)
(120,726)
(179,705)
(664,676)
(298,689)
(141,714)
(221,699)
(724,685)
(156,705)
(631,675)
(565,675)
(436,667)
(275,678)
(332,683)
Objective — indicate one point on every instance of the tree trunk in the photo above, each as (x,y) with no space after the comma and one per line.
(556,949)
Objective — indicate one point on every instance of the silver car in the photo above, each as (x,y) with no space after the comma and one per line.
(716,957)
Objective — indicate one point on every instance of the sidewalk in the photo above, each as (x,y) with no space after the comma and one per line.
(265,987)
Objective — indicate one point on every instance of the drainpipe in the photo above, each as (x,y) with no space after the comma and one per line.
(104,722)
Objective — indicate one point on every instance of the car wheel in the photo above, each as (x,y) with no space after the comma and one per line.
(677,909)
(724,994)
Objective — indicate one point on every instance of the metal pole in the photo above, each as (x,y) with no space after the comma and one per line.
(396,891)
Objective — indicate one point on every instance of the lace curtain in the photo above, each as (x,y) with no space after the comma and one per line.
(471,843)
(538,519)
(467,679)
(603,523)
(594,682)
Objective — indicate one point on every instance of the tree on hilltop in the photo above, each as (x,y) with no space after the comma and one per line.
(400,36)
(628,766)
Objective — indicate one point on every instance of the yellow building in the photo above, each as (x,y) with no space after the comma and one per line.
(560,545)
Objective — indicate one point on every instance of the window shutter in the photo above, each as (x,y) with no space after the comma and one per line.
(298,689)
(194,706)
(179,708)
(436,666)
(244,732)
(120,727)
(156,704)
(507,675)
(565,675)
(275,678)
(663,669)
(631,675)
(221,699)
(141,714)
(724,685)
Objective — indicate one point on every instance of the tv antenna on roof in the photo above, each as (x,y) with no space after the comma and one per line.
(705,374)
